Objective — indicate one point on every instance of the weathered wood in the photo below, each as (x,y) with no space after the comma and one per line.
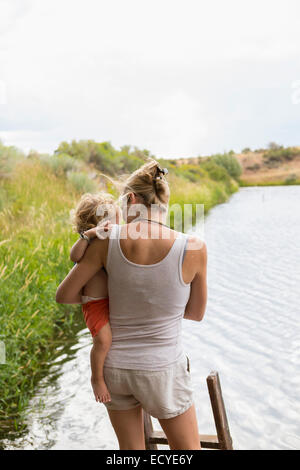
(148,430)
(206,441)
(218,407)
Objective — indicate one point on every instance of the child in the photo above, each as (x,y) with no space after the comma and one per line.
(90,211)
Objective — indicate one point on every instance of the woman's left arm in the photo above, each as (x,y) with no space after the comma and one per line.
(69,291)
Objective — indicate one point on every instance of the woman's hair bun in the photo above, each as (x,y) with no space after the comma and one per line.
(148,182)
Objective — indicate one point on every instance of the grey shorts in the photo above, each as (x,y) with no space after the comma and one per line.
(163,394)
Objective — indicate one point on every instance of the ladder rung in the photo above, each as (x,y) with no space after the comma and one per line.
(207,441)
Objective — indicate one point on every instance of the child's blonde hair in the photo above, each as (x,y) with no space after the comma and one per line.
(91,209)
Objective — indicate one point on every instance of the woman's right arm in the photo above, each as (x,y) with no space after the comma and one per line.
(69,290)
(195,308)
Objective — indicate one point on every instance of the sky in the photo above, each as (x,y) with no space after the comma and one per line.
(179,78)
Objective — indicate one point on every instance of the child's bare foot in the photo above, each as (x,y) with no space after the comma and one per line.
(100,390)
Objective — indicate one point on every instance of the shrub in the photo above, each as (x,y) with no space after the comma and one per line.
(9,157)
(291,179)
(81,182)
(254,167)
(59,164)
(229,162)
(274,146)
(104,156)
(279,155)
(216,172)
(190,172)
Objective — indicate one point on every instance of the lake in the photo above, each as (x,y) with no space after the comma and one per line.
(250,334)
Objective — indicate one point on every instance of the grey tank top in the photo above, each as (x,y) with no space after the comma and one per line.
(146,307)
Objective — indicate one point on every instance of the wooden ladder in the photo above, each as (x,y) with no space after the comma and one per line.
(220,441)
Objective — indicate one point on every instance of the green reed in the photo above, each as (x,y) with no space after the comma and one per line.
(34,258)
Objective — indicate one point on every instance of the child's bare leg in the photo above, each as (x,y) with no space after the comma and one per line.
(101,345)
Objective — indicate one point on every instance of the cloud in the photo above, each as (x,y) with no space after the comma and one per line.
(176,77)
(11,12)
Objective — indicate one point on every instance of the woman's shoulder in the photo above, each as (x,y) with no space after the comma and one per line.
(192,238)
(195,243)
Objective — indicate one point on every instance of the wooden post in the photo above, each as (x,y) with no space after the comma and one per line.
(148,431)
(217,403)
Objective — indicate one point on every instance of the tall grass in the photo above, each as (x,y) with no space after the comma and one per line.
(34,252)
(205,191)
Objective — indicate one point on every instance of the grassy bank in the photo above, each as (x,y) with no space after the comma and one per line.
(34,253)
(36,195)
(207,192)
(245,183)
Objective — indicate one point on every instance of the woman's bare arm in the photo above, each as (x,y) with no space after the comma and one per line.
(196,305)
(78,250)
(69,291)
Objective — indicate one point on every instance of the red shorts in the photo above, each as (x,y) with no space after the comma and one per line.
(96,314)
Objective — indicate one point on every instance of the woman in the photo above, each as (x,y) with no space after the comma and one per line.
(156,277)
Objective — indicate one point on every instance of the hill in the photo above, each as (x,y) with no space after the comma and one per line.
(276,165)
(271,166)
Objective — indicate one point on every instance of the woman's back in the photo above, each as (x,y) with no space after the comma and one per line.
(147,298)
